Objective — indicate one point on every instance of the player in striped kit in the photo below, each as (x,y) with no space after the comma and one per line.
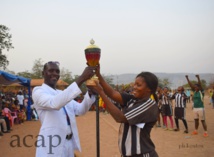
(180,98)
(159,93)
(138,115)
(166,108)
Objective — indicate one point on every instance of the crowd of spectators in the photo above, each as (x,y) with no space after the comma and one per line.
(12,110)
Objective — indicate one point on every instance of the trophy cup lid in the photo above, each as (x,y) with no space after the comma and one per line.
(92,46)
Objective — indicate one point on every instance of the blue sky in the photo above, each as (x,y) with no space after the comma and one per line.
(155,35)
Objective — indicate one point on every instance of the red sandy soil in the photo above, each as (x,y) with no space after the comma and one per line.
(168,143)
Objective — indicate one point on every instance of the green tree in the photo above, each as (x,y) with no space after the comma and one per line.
(164,82)
(187,85)
(83,86)
(66,76)
(211,83)
(37,69)
(5,43)
(25,74)
(203,83)
(109,80)
(160,82)
(10,71)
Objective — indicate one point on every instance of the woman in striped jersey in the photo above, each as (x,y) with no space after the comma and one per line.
(138,115)
(180,98)
(166,108)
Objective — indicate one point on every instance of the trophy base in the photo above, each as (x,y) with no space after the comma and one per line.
(92,81)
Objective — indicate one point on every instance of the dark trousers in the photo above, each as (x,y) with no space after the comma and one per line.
(7,122)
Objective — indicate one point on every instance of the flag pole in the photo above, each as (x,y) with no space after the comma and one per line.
(97,126)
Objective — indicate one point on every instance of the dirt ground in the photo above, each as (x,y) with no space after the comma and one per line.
(168,143)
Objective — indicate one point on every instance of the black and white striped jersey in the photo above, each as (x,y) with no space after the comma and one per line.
(180,99)
(133,139)
(165,99)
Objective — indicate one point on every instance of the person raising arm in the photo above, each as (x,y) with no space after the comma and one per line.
(198,105)
(58,136)
(138,115)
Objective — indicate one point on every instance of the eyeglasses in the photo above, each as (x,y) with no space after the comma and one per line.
(53,62)
(50,62)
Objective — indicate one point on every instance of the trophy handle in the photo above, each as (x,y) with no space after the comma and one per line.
(91,81)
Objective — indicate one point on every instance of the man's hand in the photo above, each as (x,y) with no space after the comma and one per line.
(91,91)
(87,74)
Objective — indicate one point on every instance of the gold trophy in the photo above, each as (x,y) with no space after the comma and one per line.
(92,55)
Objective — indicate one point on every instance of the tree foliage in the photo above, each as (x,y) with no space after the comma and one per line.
(66,76)
(211,83)
(10,71)
(164,82)
(37,69)
(5,43)
(108,79)
(203,83)
(25,74)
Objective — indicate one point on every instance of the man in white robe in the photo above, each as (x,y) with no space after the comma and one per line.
(58,136)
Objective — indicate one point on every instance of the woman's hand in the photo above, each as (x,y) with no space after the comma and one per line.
(96,88)
(98,70)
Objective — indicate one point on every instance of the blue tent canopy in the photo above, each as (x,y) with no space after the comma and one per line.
(7,78)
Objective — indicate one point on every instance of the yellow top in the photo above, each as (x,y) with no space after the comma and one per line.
(92,46)
(152,97)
